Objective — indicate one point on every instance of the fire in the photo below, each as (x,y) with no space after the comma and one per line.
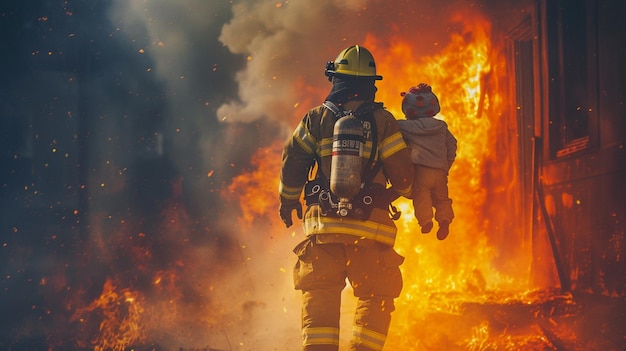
(441,277)
(256,189)
(167,297)
(120,311)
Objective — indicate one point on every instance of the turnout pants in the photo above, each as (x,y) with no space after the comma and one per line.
(324,263)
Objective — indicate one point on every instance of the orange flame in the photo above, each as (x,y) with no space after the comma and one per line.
(120,311)
(439,276)
(257,189)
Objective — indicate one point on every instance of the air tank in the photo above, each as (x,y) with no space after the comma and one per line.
(345,167)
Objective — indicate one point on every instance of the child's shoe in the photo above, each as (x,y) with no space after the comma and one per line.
(444,230)
(427,227)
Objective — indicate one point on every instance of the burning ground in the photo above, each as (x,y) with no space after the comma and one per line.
(165,233)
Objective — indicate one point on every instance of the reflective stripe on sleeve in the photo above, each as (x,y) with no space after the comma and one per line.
(289,193)
(304,138)
(391,145)
(326,147)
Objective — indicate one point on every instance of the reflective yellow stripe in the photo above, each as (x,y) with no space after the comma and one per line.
(306,141)
(289,193)
(367,149)
(320,336)
(326,147)
(369,338)
(391,145)
(366,229)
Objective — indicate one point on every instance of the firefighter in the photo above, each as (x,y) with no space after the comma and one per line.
(357,245)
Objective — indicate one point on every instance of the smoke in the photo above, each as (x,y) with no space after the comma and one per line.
(235,289)
(165,75)
(193,67)
(288,43)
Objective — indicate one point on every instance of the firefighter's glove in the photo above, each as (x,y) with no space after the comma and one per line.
(285,212)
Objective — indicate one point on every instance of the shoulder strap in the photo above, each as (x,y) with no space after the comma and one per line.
(316,172)
(366,112)
(336,110)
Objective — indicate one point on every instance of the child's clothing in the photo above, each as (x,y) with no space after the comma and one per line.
(433,150)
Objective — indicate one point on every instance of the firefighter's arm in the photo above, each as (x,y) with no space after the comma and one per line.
(297,159)
(292,178)
(396,159)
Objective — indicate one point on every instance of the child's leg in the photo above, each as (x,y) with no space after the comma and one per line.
(422,201)
(441,200)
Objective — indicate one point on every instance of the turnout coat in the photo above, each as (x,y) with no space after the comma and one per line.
(312,141)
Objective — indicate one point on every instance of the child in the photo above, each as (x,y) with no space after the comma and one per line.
(433,150)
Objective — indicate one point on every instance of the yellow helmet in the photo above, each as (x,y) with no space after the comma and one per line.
(355,61)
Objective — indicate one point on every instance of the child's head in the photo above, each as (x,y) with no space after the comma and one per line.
(420,102)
